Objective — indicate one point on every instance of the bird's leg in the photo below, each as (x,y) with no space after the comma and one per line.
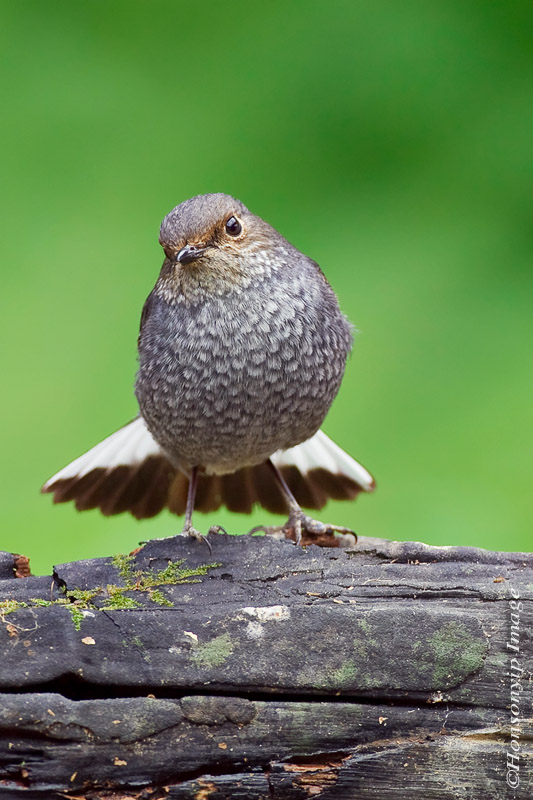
(188,528)
(300,527)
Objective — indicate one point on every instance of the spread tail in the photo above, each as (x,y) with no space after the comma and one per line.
(128,471)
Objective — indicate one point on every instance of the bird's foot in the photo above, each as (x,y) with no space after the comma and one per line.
(303,529)
(217,529)
(190,530)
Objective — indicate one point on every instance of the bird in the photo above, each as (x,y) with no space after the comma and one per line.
(242,348)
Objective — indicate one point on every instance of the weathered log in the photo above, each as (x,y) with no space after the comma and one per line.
(264,670)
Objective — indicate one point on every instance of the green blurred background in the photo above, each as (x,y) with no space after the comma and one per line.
(390,141)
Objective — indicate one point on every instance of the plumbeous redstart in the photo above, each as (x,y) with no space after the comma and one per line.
(242,348)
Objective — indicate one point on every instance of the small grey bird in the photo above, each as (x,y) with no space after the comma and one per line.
(242,348)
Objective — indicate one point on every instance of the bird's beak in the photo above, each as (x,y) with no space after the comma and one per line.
(189,253)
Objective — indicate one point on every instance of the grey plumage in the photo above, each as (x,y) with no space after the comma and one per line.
(228,377)
(242,348)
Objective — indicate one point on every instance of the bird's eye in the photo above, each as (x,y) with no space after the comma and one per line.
(233,226)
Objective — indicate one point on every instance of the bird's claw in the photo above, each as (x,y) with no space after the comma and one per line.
(317,528)
(303,529)
(217,529)
(190,530)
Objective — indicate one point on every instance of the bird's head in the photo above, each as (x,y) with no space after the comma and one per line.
(205,226)
(213,244)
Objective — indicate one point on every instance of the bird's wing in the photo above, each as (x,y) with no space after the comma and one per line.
(128,471)
(147,307)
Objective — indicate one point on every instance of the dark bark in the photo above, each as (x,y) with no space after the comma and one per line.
(268,671)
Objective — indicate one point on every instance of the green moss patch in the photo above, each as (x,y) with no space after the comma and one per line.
(456,653)
(213,653)
(115,597)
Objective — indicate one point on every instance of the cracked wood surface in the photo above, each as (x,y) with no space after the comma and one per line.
(264,670)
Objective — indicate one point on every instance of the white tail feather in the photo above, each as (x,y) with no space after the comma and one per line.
(320,452)
(128,446)
(133,443)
